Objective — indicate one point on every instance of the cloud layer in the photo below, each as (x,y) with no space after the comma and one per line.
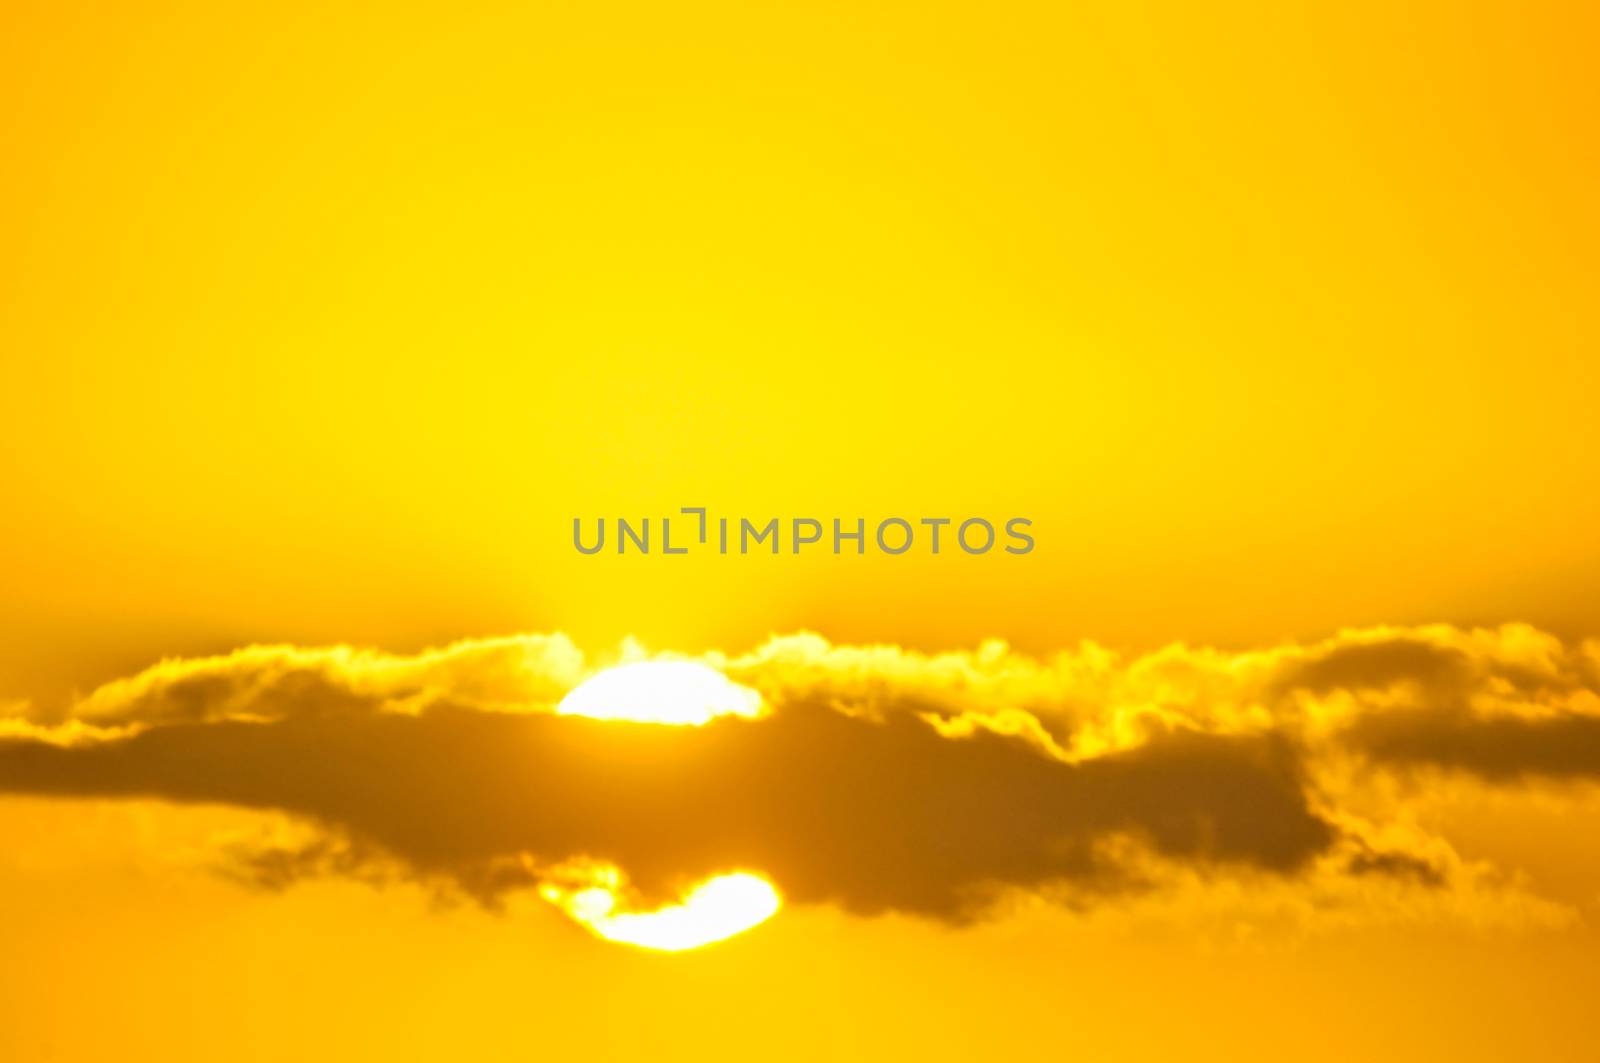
(882,779)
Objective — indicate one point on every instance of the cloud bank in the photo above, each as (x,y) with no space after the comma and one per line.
(881,780)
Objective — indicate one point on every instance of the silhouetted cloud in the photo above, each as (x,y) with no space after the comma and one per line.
(881,779)
(1504,749)
(870,815)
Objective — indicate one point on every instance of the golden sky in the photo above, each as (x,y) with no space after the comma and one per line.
(319,325)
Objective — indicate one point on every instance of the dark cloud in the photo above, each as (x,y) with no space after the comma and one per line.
(881,780)
(1398,865)
(1379,663)
(872,816)
(1500,748)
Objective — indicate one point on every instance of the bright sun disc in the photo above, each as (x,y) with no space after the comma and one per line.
(670,692)
(717,909)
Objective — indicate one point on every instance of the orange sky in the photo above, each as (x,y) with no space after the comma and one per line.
(320,326)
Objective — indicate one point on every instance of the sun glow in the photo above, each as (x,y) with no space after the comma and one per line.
(595,894)
(715,910)
(670,692)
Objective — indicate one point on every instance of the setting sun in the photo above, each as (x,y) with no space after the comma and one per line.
(670,692)
(713,911)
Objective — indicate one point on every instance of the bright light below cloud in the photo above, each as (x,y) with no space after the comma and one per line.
(713,911)
(671,692)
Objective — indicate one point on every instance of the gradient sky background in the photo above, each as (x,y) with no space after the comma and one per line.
(320,326)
